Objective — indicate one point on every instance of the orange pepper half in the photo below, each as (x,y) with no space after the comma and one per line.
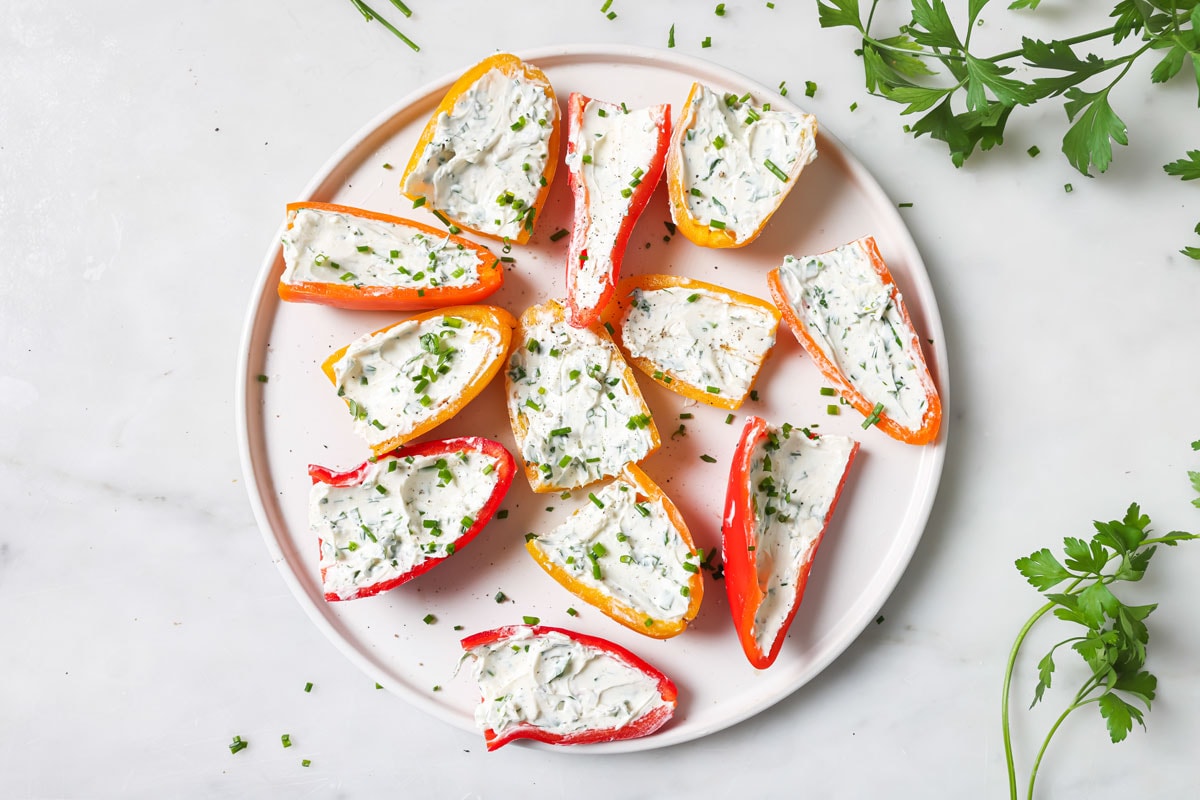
(618,311)
(931,418)
(696,230)
(636,619)
(516,69)
(366,297)
(490,318)
(550,312)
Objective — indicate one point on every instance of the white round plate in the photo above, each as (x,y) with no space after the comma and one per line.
(295,419)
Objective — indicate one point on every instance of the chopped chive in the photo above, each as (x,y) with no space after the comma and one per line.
(428,619)
(718,142)
(308,687)
(348,276)
(487,470)
(649,623)
(770,5)
(854,107)
(263,378)
(363,248)
(558,234)
(599,503)
(500,597)
(592,460)
(378,424)
(810,89)
(686,415)
(671,37)
(533,346)
(599,550)
(572,612)
(502,514)
(466,522)
(828,391)
(754,395)
(420,201)
(685,591)
(729,419)
(608,327)
(641,509)
(720,11)
(707,42)
(238,744)
(381,489)
(696,192)
(305,762)
(832,410)
(716,223)
(286,738)
(904,205)
(873,417)
(1033,151)
(519,124)
(706,458)
(564,461)
(712,390)
(530,620)
(626,192)
(690,567)
(508,259)
(386,165)
(426,400)
(776,171)
(1068,188)
(596,573)
(560,431)
(611,15)
(452,322)
(529,537)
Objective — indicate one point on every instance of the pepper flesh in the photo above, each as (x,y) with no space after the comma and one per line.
(505,469)
(515,68)
(633,618)
(642,726)
(616,314)
(932,417)
(492,317)
(583,315)
(739,541)
(394,298)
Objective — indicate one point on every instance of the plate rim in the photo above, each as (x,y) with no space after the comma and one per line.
(264,304)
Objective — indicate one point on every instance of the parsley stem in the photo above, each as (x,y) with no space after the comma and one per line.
(1046,742)
(1008,670)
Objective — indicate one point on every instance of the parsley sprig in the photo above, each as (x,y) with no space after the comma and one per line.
(970,106)
(1114,636)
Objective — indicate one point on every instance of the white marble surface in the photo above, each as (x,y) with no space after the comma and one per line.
(146,151)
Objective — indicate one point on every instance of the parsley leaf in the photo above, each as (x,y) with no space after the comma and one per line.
(1087,141)
(1186,169)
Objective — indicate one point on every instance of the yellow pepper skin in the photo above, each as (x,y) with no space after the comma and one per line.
(515,68)
(484,316)
(617,312)
(632,618)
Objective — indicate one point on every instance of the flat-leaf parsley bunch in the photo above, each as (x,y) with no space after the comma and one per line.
(1113,636)
(970,105)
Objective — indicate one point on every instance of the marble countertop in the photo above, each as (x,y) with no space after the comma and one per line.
(146,153)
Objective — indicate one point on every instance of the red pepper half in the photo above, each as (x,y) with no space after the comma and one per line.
(374,543)
(517,638)
(758,497)
(416,285)
(609,175)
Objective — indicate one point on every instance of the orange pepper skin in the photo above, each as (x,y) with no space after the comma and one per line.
(549,312)
(630,617)
(738,537)
(583,316)
(617,312)
(394,298)
(642,726)
(505,469)
(513,67)
(492,317)
(931,420)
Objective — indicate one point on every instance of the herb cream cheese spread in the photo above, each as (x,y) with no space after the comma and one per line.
(331,247)
(398,378)
(484,165)
(627,549)
(739,161)
(795,481)
(404,512)
(558,685)
(854,317)
(699,337)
